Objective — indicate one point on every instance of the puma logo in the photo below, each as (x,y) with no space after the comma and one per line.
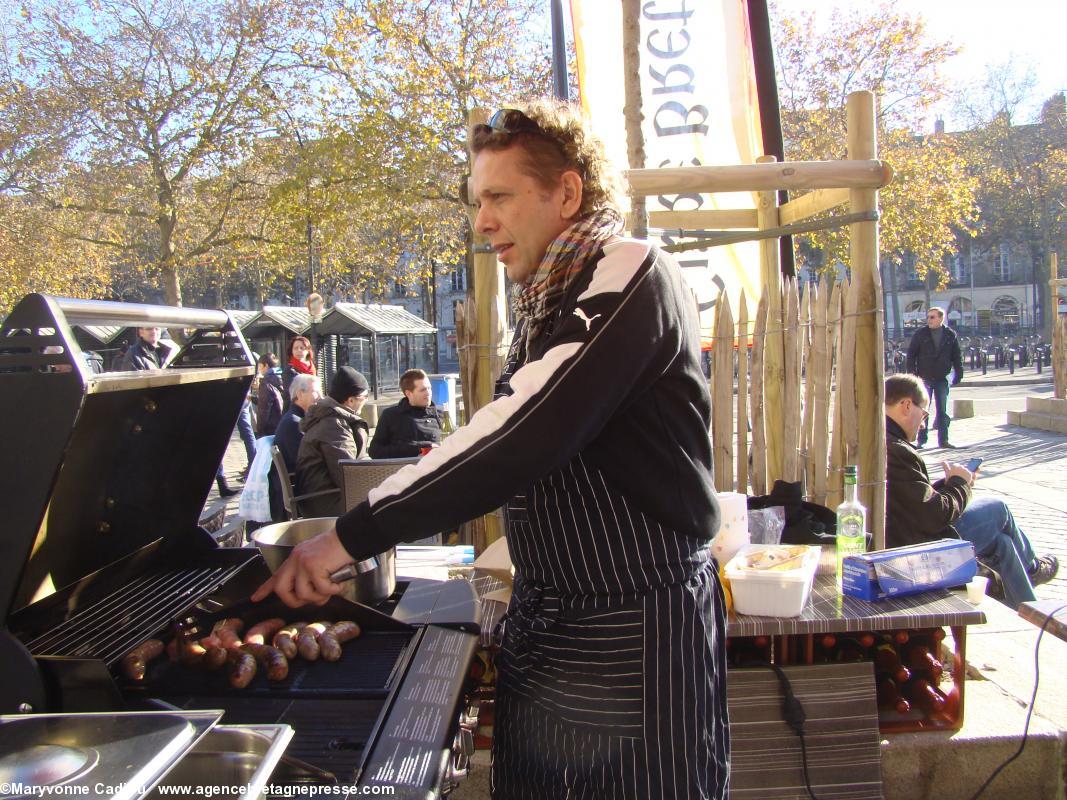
(587,320)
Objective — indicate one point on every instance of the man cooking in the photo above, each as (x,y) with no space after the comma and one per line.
(612,666)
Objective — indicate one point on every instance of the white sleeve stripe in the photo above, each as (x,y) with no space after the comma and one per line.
(548,365)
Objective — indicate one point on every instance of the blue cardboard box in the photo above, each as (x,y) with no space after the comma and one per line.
(915,568)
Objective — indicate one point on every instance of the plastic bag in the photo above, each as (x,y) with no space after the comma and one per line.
(765,525)
(255,497)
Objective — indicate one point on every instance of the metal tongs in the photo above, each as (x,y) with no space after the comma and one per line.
(354,570)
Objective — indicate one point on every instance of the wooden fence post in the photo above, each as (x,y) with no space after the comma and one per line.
(487,327)
(773,347)
(722,391)
(862,135)
(756,400)
(791,384)
(743,339)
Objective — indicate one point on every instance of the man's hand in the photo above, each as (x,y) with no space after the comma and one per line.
(305,576)
(958,470)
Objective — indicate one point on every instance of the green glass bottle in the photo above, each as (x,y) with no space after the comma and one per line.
(851,523)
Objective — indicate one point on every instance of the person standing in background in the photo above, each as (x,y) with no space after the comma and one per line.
(933,352)
(299,361)
(269,402)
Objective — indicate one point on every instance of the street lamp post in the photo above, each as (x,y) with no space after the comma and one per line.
(314,306)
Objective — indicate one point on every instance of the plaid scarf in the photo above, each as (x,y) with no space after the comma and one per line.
(561,264)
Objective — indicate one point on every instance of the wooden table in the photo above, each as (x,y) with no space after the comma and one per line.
(1038,611)
(830,612)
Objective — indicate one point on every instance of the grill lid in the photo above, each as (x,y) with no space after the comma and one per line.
(94,467)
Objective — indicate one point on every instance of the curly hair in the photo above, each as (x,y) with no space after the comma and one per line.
(560,142)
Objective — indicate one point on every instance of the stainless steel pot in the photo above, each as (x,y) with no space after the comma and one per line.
(367,582)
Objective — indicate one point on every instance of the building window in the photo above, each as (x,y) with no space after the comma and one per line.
(454,304)
(458,280)
(1002,264)
(960,269)
(398,288)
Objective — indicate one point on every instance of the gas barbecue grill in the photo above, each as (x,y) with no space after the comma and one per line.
(104,476)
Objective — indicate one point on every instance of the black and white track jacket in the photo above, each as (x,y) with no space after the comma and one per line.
(614,377)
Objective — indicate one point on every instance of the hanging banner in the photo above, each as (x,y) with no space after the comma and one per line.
(700,107)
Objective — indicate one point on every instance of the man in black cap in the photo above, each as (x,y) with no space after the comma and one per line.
(333,430)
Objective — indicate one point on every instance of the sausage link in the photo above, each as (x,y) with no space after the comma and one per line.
(307,644)
(135,662)
(214,658)
(242,668)
(344,630)
(263,632)
(329,647)
(285,639)
(228,632)
(271,659)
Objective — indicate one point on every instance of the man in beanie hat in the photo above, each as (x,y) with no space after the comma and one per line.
(333,430)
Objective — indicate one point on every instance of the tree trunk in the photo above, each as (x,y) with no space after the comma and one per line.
(168,263)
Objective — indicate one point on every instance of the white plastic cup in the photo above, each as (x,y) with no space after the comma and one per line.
(976,589)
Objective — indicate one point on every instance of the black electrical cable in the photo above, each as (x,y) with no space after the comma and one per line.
(1029,710)
(794,715)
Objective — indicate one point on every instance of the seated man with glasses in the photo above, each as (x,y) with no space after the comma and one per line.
(333,431)
(920,511)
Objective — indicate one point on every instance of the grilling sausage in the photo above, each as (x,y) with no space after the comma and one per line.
(263,632)
(135,662)
(191,654)
(270,658)
(329,647)
(331,639)
(285,639)
(242,668)
(228,632)
(307,643)
(214,658)
(344,630)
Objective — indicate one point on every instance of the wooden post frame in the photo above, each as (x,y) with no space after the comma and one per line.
(863,258)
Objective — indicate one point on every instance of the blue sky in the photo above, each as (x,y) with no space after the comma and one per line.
(1026,32)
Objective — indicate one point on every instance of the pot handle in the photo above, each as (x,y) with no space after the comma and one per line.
(350,571)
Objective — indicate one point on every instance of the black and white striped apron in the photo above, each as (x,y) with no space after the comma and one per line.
(612,665)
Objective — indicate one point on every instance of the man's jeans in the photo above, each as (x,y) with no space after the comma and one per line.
(998,542)
(244,428)
(938,391)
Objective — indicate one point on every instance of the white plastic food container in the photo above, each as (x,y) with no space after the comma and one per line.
(771,593)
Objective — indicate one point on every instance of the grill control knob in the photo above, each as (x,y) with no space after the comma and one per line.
(25,708)
(150,406)
(103,527)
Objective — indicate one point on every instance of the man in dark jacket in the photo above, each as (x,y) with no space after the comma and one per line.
(612,666)
(148,352)
(269,401)
(333,430)
(920,511)
(934,351)
(412,425)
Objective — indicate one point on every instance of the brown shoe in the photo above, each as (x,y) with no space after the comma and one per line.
(1044,569)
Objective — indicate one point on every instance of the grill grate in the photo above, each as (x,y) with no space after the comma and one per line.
(110,627)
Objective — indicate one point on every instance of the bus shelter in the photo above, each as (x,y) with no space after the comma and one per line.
(380,341)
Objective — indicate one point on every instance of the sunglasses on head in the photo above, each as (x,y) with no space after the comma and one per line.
(511,120)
